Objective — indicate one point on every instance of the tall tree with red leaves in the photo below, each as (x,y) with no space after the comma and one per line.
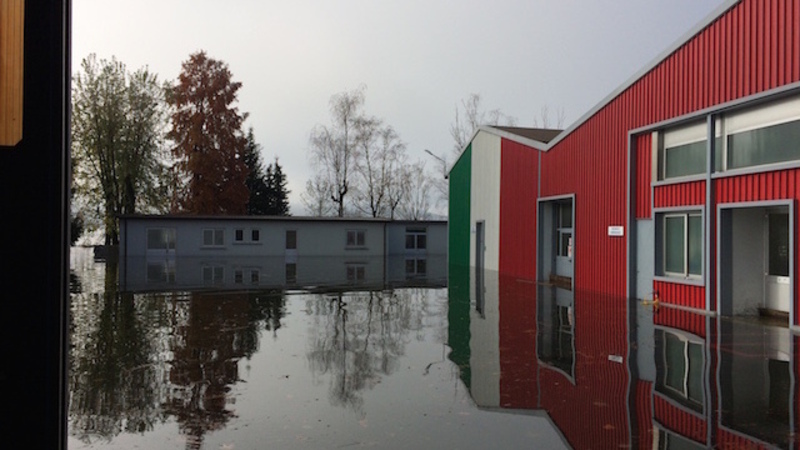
(209,141)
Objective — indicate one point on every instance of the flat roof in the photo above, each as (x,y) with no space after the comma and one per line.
(204,217)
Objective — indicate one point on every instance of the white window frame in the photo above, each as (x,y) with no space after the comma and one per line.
(663,244)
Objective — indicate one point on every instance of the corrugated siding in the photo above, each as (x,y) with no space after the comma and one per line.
(592,412)
(519,172)
(727,439)
(644,175)
(679,420)
(458,225)
(681,294)
(681,320)
(681,194)
(518,362)
(749,49)
(485,196)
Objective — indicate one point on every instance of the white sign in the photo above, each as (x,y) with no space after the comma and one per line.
(616,230)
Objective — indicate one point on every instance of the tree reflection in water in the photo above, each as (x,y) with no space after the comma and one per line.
(138,360)
(356,338)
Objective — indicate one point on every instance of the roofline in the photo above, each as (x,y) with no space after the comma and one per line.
(686,37)
(273,218)
(532,143)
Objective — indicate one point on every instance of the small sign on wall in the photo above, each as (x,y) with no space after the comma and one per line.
(616,231)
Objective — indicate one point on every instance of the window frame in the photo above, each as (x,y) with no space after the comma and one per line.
(418,235)
(662,244)
(359,234)
(169,237)
(215,232)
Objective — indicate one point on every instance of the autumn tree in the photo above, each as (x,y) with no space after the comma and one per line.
(118,124)
(209,142)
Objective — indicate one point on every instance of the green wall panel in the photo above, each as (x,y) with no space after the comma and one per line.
(459,210)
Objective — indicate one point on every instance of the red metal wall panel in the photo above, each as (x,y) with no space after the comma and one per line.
(517,330)
(591,161)
(592,412)
(680,320)
(679,420)
(519,171)
(728,439)
(680,194)
(679,294)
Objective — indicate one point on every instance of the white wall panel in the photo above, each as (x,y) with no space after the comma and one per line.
(485,196)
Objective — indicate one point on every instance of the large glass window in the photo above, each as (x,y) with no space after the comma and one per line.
(767,145)
(683,244)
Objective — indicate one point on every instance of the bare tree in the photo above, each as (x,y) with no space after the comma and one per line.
(544,120)
(333,147)
(415,204)
(471,117)
(316,198)
(381,155)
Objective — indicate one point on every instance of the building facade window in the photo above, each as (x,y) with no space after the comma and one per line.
(213,237)
(416,238)
(682,244)
(356,238)
(291,239)
(238,235)
(255,235)
(682,151)
(161,239)
(745,139)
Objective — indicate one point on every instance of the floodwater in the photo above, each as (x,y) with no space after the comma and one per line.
(416,362)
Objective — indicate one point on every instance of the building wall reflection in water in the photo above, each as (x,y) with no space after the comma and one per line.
(611,374)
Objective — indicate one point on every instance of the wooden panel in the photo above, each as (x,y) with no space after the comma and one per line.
(12,15)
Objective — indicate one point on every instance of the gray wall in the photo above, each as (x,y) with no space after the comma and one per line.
(747,249)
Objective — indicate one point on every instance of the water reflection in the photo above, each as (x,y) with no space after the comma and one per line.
(610,373)
(383,360)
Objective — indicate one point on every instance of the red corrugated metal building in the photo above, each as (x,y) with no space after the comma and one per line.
(681,184)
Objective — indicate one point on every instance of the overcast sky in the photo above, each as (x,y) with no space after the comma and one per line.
(417,59)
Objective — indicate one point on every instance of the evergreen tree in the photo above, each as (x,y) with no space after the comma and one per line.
(279,194)
(259,202)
